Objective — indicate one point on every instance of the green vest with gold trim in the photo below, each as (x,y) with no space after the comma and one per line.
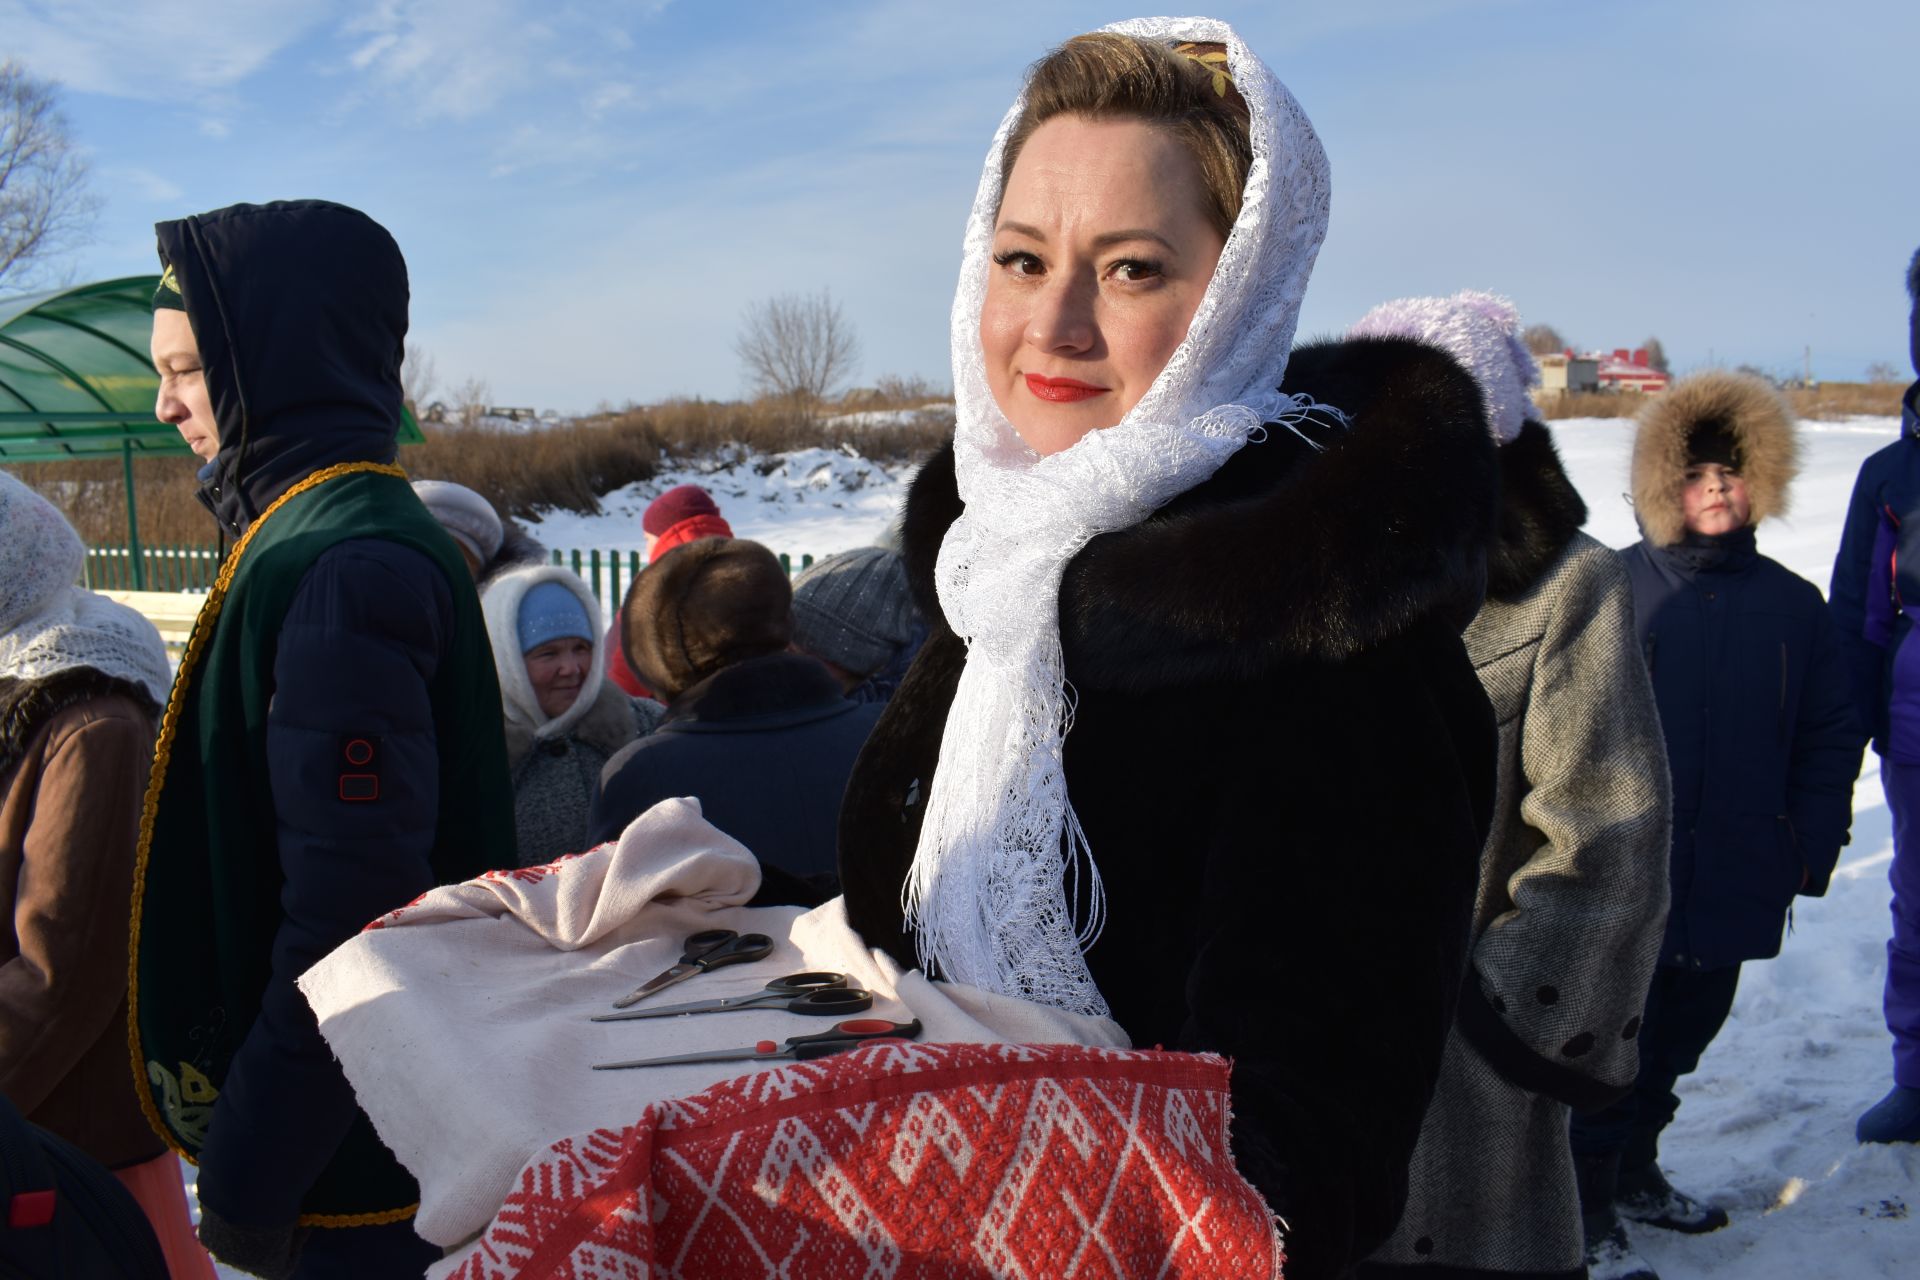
(207,887)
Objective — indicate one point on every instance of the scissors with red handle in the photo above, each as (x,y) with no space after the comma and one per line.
(836,1039)
(709,949)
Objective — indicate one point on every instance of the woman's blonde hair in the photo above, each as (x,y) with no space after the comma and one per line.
(1186,91)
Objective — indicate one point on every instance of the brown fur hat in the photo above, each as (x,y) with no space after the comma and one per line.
(1674,425)
(704,606)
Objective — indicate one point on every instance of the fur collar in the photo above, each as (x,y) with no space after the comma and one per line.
(26,705)
(1540,511)
(1285,554)
(1751,411)
(609,726)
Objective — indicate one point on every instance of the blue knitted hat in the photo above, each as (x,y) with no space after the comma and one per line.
(549,611)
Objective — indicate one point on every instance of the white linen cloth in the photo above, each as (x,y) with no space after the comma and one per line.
(462,1020)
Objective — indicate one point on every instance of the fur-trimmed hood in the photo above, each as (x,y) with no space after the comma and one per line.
(1747,409)
(26,705)
(1285,554)
(608,725)
(1540,511)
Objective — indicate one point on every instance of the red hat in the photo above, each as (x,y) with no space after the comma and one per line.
(682,502)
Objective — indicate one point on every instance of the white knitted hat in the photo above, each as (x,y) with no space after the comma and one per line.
(1482,332)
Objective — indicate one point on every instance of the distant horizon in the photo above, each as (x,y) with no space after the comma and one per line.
(590,196)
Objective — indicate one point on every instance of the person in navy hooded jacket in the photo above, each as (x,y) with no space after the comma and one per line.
(1762,744)
(1874,575)
(333,745)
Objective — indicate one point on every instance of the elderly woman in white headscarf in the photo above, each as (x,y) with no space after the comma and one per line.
(82,681)
(1195,742)
(563,719)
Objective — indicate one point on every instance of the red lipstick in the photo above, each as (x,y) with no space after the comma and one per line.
(1062,390)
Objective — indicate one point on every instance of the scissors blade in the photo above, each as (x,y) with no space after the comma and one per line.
(696,1006)
(679,973)
(709,1055)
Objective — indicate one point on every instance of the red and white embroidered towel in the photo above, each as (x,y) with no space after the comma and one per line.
(908,1162)
(462,1020)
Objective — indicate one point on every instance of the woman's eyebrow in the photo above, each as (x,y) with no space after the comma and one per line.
(1104,240)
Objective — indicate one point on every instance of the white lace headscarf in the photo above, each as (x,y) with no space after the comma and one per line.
(47,623)
(1002,859)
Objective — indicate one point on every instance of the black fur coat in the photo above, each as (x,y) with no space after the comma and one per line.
(1284,766)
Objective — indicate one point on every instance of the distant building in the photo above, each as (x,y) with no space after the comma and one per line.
(1626,370)
(1562,372)
(512,413)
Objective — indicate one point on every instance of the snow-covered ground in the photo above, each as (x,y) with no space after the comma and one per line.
(1766,1128)
(808,502)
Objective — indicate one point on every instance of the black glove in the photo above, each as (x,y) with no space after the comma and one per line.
(271,1253)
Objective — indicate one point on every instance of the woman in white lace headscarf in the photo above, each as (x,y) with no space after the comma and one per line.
(82,680)
(1195,743)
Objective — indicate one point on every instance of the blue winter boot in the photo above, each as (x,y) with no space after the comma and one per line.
(1895,1118)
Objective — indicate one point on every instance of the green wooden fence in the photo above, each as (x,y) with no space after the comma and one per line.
(590,565)
(193,568)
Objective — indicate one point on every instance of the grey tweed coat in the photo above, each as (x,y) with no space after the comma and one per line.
(1572,899)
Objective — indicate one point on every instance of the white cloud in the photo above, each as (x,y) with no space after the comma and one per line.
(144,183)
(154,50)
(451,59)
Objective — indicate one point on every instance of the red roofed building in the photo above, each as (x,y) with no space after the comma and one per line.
(1625,370)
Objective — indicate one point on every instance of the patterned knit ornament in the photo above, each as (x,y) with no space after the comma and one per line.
(1002,857)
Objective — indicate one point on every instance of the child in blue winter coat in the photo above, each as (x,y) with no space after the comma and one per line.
(1876,577)
(1762,742)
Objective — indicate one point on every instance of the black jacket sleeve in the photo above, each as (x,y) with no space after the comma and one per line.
(366,630)
(1865,660)
(1827,743)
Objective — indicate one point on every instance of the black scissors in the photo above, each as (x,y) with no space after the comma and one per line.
(815,994)
(837,1039)
(708,949)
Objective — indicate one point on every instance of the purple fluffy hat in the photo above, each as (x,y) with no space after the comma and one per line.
(1479,330)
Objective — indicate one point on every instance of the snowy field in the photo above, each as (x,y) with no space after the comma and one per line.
(1766,1129)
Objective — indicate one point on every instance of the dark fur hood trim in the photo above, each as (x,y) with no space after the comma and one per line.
(1748,409)
(1285,554)
(1540,511)
(518,549)
(26,705)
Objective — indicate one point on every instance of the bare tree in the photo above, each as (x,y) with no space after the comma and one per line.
(1882,373)
(1656,355)
(470,401)
(45,206)
(417,378)
(799,348)
(1543,340)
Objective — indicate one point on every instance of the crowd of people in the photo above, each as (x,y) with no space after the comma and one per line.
(1177,605)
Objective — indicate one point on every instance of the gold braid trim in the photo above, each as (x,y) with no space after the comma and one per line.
(203,625)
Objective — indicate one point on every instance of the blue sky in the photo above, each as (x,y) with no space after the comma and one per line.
(590,194)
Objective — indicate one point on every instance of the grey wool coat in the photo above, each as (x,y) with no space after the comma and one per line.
(554,780)
(1572,898)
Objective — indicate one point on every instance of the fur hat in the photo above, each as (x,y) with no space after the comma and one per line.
(703,607)
(1482,332)
(469,518)
(1716,416)
(682,502)
(854,609)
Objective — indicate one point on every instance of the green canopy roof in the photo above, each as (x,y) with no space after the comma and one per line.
(75,378)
